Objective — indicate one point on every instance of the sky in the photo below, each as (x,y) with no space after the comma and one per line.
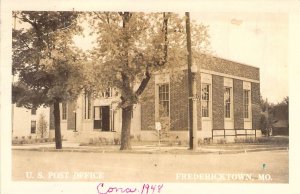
(256,39)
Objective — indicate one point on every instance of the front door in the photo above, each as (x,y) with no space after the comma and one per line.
(101,118)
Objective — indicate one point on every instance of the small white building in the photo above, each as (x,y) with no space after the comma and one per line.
(25,122)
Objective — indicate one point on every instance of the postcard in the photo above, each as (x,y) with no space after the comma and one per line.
(149,97)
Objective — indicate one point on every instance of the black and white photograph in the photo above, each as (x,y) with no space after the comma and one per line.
(135,99)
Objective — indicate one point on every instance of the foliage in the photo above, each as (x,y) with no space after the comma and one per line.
(131,47)
(42,126)
(45,62)
(273,113)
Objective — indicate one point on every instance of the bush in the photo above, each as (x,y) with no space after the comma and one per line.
(222,141)
(116,141)
(42,126)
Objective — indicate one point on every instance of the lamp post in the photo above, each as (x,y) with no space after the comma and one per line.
(75,115)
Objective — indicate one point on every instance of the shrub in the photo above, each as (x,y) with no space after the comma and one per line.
(42,126)
(221,141)
(138,137)
(116,141)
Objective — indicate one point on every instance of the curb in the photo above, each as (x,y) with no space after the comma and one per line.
(134,151)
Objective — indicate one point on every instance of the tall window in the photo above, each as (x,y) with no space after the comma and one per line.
(163,95)
(33,127)
(227,101)
(205,100)
(64,111)
(87,105)
(246,103)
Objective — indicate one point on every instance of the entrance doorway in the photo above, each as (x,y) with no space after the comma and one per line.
(102,118)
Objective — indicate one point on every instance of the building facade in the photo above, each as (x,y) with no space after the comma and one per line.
(228,106)
(26,122)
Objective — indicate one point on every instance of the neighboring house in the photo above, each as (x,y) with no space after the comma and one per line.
(25,122)
(229,94)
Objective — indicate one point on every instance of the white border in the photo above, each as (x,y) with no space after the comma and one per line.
(291,7)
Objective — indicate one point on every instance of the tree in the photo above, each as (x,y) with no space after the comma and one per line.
(42,126)
(131,47)
(45,61)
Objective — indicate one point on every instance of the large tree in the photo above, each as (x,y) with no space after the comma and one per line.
(45,62)
(131,47)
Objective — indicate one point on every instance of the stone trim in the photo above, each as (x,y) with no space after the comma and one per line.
(228,76)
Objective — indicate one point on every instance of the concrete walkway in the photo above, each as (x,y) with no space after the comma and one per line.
(151,148)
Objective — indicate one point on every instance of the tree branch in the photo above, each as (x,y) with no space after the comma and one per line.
(143,84)
(146,80)
(165,49)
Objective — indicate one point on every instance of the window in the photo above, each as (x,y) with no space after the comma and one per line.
(87,105)
(33,111)
(163,97)
(205,100)
(64,111)
(227,101)
(246,104)
(107,93)
(33,127)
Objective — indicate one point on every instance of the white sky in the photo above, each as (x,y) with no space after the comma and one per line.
(257,39)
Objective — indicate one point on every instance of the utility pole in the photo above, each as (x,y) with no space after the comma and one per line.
(13,80)
(192,70)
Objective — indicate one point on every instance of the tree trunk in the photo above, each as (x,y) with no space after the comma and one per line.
(126,123)
(56,112)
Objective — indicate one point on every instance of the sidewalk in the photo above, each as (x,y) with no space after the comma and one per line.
(153,149)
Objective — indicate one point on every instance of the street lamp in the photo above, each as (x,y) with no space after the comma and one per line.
(194,71)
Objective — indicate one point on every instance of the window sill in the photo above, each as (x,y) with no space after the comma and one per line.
(100,130)
(206,118)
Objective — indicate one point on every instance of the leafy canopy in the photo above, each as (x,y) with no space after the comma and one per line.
(45,61)
(132,46)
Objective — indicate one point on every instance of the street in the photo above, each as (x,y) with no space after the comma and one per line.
(262,167)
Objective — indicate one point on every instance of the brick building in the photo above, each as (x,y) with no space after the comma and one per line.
(228,106)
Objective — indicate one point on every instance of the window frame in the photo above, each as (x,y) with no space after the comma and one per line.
(165,101)
(226,102)
(87,106)
(246,104)
(108,93)
(64,111)
(206,98)
(31,127)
